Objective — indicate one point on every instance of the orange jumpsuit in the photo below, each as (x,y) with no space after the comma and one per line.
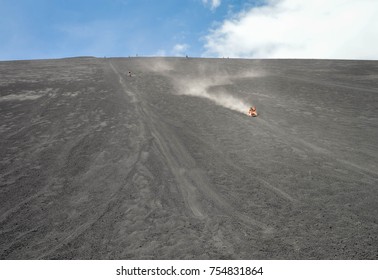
(252,112)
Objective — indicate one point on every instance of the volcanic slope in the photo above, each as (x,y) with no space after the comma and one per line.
(163,163)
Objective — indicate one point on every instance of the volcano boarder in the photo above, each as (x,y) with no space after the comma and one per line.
(252,112)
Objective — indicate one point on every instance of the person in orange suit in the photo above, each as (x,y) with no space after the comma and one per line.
(252,112)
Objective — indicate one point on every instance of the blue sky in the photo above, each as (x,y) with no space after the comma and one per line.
(31,29)
(48,29)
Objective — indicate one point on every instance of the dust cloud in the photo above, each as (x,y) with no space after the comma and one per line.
(212,89)
(211,83)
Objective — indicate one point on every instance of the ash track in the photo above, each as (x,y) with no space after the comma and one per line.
(97,164)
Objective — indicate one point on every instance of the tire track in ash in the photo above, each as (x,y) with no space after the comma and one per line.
(130,165)
(192,183)
(111,202)
(187,188)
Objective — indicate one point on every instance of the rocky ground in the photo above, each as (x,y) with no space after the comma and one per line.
(165,164)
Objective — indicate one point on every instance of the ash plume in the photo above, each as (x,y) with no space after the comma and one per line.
(211,83)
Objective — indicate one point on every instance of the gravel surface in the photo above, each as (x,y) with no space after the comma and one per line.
(165,163)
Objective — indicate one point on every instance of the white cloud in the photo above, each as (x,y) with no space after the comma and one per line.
(213,3)
(300,29)
(180,49)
